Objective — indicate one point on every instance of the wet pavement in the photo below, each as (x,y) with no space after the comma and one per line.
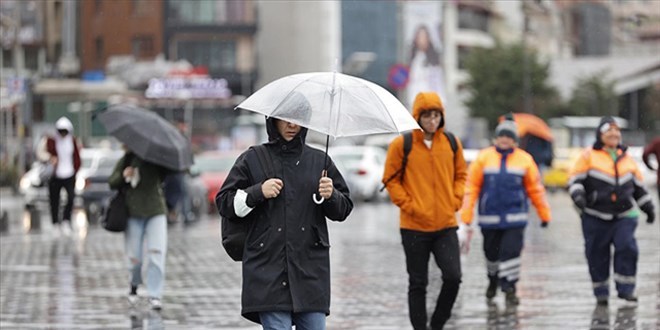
(81,282)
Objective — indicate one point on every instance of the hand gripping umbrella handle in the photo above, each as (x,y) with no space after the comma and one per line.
(317,201)
(325,166)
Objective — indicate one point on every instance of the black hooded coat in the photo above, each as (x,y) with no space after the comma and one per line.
(286,261)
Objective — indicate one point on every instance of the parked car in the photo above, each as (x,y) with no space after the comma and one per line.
(363,167)
(92,179)
(212,168)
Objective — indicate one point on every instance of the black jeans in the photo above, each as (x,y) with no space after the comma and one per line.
(418,247)
(55,186)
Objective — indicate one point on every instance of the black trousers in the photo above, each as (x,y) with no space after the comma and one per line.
(55,186)
(418,247)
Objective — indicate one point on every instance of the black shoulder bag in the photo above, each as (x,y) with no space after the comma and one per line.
(234,231)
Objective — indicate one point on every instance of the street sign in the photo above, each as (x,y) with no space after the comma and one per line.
(398,76)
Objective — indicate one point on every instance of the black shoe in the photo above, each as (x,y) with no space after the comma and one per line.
(629,299)
(601,300)
(491,290)
(511,299)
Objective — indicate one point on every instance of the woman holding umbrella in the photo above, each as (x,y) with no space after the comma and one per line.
(146,207)
(154,149)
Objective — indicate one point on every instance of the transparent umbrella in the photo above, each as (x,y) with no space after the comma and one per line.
(332,103)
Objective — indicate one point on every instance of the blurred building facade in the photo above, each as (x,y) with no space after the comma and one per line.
(297,36)
(121,27)
(246,44)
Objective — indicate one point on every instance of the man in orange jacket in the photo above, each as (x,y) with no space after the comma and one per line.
(429,191)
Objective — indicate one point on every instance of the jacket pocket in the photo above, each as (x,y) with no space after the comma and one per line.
(320,238)
(260,241)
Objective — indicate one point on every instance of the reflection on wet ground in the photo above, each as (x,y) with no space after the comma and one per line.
(81,283)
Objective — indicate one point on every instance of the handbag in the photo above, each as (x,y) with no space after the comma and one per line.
(115,217)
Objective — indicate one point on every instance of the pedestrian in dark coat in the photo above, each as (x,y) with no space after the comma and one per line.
(286,260)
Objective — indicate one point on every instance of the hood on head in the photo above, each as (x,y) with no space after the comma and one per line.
(274,135)
(296,107)
(428,101)
(64,123)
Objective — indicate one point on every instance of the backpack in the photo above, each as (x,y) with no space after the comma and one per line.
(234,232)
(407,146)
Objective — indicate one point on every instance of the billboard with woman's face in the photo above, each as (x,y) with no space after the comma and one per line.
(423,34)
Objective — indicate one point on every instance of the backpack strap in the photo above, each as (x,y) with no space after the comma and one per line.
(407,146)
(264,160)
(452,141)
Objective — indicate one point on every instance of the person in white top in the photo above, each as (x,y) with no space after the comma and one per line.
(62,151)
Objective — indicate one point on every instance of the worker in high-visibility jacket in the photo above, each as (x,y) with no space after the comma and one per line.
(605,183)
(504,178)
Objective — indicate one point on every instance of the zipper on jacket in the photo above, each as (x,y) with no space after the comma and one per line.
(614,197)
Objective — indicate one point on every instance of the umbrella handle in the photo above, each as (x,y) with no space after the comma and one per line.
(317,201)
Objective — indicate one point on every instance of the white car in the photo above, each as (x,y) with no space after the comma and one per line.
(363,167)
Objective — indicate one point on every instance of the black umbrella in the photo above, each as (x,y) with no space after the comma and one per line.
(148,135)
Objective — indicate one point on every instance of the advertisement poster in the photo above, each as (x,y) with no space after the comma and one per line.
(422,31)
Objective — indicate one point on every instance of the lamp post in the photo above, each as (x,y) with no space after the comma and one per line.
(527,83)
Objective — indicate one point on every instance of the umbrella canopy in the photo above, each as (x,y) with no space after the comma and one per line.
(532,125)
(148,135)
(332,103)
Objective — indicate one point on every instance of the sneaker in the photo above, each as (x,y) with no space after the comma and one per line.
(57,231)
(155,303)
(601,300)
(65,227)
(133,299)
(629,299)
(511,299)
(491,290)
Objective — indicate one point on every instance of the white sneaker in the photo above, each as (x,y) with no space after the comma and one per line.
(155,303)
(133,299)
(65,227)
(57,230)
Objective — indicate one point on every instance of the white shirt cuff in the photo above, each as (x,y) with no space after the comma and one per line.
(240,204)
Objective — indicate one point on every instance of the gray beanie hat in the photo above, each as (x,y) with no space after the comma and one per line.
(507,128)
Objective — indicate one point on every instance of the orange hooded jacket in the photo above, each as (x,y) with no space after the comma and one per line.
(434,182)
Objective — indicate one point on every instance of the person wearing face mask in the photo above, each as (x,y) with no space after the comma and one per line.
(605,184)
(428,194)
(62,151)
(286,258)
(504,178)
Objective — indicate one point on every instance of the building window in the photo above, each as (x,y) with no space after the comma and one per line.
(7,58)
(99,47)
(139,7)
(217,56)
(142,46)
(473,19)
(202,12)
(463,55)
(98,6)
